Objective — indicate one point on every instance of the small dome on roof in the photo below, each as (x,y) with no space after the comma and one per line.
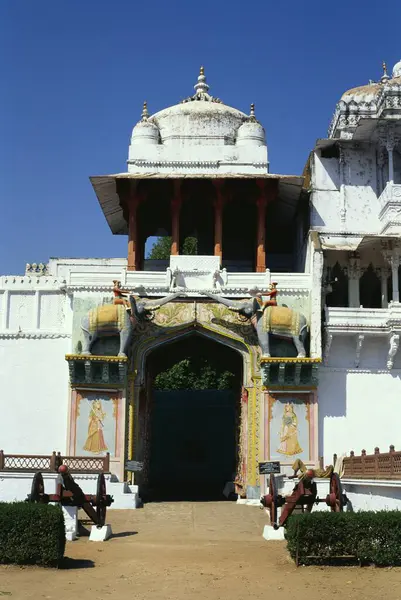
(145,132)
(397,69)
(251,132)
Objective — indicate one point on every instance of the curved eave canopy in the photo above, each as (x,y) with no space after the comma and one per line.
(107,191)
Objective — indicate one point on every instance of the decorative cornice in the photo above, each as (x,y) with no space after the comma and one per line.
(290,360)
(96,358)
(7,335)
(360,371)
(200,164)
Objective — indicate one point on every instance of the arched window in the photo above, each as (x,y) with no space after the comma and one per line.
(370,289)
(339,283)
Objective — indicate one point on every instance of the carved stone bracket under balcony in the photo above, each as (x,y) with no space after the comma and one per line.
(97,370)
(289,372)
(390,214)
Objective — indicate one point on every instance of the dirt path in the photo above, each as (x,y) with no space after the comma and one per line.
(185,551)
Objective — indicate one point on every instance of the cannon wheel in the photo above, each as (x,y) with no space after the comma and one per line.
(336,494)
(274,501)
(101,500)
(37,488)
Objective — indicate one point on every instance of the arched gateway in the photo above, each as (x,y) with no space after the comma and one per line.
(188,425)
(197,171)
(193,441)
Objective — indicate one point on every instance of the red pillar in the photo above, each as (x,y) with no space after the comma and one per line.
(133,250)
(175,219)
(261,204)
(218,221)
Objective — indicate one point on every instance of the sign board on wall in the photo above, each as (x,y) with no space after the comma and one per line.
(266,468)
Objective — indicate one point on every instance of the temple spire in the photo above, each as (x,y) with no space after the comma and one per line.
(201,87)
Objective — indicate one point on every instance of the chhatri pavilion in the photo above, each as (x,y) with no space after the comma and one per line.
(290,294)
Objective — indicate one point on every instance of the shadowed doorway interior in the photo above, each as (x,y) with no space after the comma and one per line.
(195,389)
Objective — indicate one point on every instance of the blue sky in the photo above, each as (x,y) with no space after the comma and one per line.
(74,75)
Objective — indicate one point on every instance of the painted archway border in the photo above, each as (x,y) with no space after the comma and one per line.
(250,443)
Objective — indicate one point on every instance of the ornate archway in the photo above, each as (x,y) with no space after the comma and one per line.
(220,325)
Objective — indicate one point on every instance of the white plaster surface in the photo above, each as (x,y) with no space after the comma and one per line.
(372,495)
(33,395)
(273,535)
(358,410)
(100,534)
(71,522)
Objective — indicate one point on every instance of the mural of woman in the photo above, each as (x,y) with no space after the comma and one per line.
(95,441)
(289,444)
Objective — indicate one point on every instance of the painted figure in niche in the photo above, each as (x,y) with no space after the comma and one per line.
(289,444)
(95,441)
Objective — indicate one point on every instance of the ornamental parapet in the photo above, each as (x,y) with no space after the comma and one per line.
(97,370)
(202,278)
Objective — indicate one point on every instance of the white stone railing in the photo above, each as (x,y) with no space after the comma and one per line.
(390,214)
(352,319)
(344,319)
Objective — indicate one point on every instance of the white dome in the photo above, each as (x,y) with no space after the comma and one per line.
(397,69)
(145,132)
(200,134)
(198,120)
(251,133)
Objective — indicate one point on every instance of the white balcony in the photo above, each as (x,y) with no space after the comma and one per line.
(193,274)
(362,323)
(349,320)
(390,214)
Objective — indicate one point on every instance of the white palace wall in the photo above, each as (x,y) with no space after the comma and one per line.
(345,192)
(33,395)
(35,335)
(358,411)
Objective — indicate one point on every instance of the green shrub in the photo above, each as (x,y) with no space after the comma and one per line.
(324,537)
(191,374)
(31,533)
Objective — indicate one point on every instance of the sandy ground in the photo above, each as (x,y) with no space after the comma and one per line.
(188,551)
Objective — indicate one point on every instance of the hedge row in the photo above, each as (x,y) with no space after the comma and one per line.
(31,534)
(325,537)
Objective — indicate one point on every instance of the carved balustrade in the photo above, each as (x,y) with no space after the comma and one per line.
(50,463)
(379,465)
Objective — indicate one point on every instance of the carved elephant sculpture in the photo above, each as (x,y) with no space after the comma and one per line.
(112,319)
(280,321)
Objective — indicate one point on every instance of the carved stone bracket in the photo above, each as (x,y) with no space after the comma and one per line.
(394,342)
(359,343)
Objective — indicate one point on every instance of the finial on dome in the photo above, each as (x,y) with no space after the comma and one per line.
(385,77)
(252,113)
(201,87)
(145,112)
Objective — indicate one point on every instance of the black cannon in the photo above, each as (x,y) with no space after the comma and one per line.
(68,493)
(304,495)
